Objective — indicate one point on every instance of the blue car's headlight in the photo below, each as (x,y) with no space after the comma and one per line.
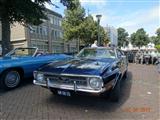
(40,77)
(95,83)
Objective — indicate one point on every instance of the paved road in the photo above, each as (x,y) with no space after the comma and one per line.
(140,100)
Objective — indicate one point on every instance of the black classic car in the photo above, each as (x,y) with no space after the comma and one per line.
(95,71)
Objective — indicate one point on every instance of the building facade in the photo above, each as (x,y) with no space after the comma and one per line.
(47,37)
(112,34)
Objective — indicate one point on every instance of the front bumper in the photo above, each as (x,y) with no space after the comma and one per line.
(75,88)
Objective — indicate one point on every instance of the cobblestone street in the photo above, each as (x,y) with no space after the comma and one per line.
(139,100)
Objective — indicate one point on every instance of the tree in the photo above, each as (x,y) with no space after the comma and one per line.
(139,38)
(158,32)
(157,39)
(158,47)
(72,22)
(22,11)
(122,36)
(88,32)
(70,4)
(76,26)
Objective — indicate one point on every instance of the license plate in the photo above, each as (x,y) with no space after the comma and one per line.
(64,93)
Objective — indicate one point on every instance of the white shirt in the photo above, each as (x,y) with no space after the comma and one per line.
(94,45)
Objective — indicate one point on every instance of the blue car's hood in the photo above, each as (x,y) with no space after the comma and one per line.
(79,66)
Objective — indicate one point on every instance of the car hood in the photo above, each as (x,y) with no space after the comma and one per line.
(79,66)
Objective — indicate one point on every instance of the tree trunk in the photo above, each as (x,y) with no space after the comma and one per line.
(6,45)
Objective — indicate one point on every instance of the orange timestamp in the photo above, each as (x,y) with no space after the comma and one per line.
(137,109)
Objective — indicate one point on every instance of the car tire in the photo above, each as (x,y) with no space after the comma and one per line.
(125,75)
(10,79)
(115,92)
(54,92)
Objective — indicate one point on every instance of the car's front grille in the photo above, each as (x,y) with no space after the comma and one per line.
(65,80)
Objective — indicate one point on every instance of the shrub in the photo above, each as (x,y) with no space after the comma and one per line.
(158,47)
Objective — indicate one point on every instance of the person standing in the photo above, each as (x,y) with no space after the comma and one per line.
(141,56)
(94,44)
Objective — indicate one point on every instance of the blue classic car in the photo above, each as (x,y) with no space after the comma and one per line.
(21,62)
(94,71)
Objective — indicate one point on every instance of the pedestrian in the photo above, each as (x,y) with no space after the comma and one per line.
(137,56)
(153,56)
(141,57)
(146,57)
(94,44)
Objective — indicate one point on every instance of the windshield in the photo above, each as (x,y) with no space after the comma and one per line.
(22,52)
(97,53)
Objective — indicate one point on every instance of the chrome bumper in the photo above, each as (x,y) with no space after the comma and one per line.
(39,83)
(69,87)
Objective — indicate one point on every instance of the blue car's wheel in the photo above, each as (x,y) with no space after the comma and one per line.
(115,93)
(10,79)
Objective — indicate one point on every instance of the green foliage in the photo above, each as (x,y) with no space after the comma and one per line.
(139,38)
(158,47)
(88,32)
(77,26)
(70,4)
(155,40)
(122,36)
(23,11)
(72,21)
(158,32)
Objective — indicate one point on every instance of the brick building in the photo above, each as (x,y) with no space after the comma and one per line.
(47,37)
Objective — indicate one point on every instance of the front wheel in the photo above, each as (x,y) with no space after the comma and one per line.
(115,92)
(54,92)
(125,75)
(10,79)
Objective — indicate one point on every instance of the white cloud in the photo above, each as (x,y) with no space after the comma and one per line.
(49,6)
(148,19)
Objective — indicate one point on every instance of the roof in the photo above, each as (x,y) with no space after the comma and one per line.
(53,13)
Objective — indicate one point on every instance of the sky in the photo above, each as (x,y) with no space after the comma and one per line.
(128,14)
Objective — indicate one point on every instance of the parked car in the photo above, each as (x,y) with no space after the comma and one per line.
(93,71)
(21,62)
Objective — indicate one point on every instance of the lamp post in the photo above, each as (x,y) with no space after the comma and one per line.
(98,20)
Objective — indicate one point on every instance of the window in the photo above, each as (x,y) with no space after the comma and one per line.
(61,35)
(32,29)
(54,20)
(51,20)
(44,30)
(52,34)
(40,30)
(60,22)
(37,30)
(55,34)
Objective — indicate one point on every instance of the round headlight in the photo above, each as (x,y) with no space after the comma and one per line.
(40,77)
(95,83)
